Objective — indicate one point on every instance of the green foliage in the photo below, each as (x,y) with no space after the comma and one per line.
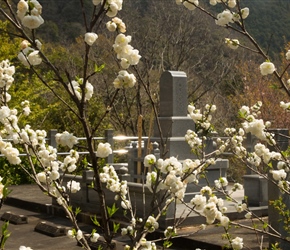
(112,210)
(95,221)
(116,227)
(284,211)
(14,174)
(5,234)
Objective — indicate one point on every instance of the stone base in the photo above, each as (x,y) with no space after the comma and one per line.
(256,190)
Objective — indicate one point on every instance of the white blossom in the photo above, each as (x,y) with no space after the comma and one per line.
(90,38)
(104,150)
(267,68)
(237,243)
(73,186)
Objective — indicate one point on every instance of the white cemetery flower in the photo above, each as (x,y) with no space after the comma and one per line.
(41,177)
(241,207)
(210,211)
(124,80)
(245,12)
(125,204)
(285,106)
(66,139)
(224,18)
(198,201)
(115,24)
(151,224)
(71,234)
(206,190)
(232,3)
(191,4)
(248,215)
(111,26)
(32,21)
(94,237)
(79,235)
(29,57)
(75,89)
(90,38)
(149,160)
(279,175)
(25,248)
(54,175)
(73,186)
(224,221)
(232,43)
(112,10)
(104,150)
(267,68)
(29,12)
(237,243)
(169,232)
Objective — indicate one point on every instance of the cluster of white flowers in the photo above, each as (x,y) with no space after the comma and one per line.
(66,139)
(124,80)
(253,125)
(113,183)
(211,207)
(125,52)
(75,87)
(75,234)
(70,161)
(202,119)
(191,169)
(279,175)
(29,56)
(264,153)
(172,175)
(26,107)
(6,75)
(222,182)
(112,6)
(116,24)
(193,140)
(29,12)
(104,150)
(10,153)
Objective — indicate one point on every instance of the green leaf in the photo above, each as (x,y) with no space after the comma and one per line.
(99,68)
(112,210)
(116,227)
(95,221)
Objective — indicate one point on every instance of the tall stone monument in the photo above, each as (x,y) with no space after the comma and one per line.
(173,118)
